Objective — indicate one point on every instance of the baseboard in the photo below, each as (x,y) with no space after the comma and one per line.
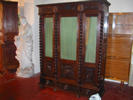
(115,81)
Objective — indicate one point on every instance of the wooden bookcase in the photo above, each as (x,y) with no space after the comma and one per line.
(119,46)
(73,39)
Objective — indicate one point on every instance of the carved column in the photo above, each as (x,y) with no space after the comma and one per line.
(80,48)
(42,45)
(56,37)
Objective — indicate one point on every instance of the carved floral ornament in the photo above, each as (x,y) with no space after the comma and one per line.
(80,8)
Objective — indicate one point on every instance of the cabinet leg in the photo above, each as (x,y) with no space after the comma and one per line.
(47,82)
(101,92)
(78,96)
(65,87)
(78,92)
(91,92)
(101,89)
(42,82)
(41,86)
(55,89)
(55,86)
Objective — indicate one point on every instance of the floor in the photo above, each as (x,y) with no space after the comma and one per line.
(14,88)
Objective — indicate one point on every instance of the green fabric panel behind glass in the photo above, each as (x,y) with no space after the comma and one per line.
(90,53)
(48,36)
(68,40)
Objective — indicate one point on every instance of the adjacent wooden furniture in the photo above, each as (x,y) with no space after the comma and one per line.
(0,58)
(1,18)
(1,35)
(119,46)
(73,39)
(9,30)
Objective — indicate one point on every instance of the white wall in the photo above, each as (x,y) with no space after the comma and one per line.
(29,11)
(121,5)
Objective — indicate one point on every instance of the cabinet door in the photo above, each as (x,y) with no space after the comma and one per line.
(68,49)
(90,45)
(48,46)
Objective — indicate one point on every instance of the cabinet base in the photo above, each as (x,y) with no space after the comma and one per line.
(67,87)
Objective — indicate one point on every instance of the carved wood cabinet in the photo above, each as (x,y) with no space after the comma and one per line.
(8,29)
(73,39)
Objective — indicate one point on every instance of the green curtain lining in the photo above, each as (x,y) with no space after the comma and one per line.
(90,53)
(48,36)
(68,40)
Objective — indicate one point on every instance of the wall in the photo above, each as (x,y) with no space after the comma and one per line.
(121,5)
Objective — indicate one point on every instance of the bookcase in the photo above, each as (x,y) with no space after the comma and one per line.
(73,39)
(119,49)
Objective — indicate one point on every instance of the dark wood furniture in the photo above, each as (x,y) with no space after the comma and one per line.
(1,37)
(73,39)
(9,30)
(119,49)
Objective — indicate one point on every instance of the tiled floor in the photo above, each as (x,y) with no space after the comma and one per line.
(28,89)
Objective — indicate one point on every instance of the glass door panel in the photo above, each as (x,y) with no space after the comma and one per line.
(48,27)
(68,37)
(90,39)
